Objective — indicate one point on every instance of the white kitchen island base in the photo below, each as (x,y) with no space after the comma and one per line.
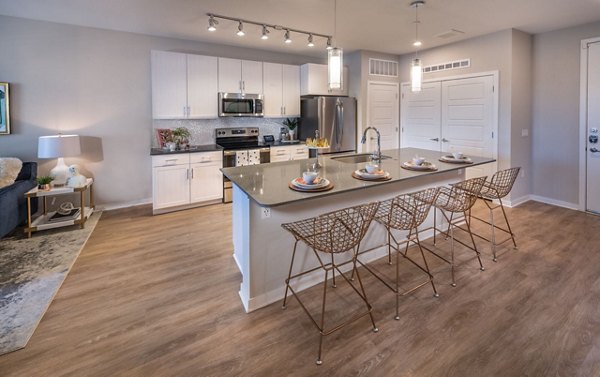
(263,249)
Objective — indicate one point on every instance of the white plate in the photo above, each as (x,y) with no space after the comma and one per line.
(450,158)
(424,166)
(299,182)
(364,174)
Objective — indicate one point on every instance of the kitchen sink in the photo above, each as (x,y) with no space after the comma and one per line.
(357,158)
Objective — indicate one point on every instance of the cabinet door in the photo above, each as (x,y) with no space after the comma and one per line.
(252,77)
(230,75)
(299,153)
(291,90)
(315,81)
(202,86)
(169,85)
(272,75)
(170,186)
(280,154)
(207,181)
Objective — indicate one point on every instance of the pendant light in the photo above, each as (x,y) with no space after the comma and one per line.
(335,59)
(416,69)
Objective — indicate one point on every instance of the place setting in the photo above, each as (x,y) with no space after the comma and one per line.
(456,158)
(310,182)
(371,172)
(418,164)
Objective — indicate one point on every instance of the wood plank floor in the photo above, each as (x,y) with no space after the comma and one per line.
(158,296)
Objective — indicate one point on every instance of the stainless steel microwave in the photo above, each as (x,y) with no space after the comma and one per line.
(240,105)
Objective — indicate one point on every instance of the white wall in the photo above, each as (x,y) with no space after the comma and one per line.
(95,83)
(555,133)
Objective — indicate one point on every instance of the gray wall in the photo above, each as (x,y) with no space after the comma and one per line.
(95,83)
(493,52)
(555,133)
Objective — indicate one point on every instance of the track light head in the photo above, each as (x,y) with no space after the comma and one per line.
(310,41)
(286,37)
(329,46)
(211,23)
(265,33)
(240,31)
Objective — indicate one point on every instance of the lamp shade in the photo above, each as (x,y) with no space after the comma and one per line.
(56,146)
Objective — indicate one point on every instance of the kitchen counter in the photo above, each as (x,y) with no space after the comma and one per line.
(192,149)
(262,202)
(278,143)
(267,184)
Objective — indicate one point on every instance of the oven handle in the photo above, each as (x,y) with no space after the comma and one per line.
(229,153)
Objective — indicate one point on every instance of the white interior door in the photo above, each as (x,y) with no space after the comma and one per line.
(421,117)
(467,120)
(382,113)
(593,127)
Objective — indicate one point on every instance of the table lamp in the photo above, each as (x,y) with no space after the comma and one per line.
(59,146)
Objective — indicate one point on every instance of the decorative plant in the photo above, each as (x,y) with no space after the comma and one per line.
(181,135)
(44,180)
(291,123)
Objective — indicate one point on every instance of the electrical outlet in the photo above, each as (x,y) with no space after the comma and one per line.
(265,212)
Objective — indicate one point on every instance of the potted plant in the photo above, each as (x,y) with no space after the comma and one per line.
(44,182)
(291,124)
(181,137)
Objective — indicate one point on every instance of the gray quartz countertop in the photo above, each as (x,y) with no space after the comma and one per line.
(191,149)
(267,184)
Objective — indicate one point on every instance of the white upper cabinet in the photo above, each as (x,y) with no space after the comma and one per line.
(183,86)
(169,85)
(240,76)
(314,81)
(281,89)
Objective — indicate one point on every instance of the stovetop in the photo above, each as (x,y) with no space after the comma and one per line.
(237,138)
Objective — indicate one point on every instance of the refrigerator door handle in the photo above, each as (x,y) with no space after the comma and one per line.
(339,120)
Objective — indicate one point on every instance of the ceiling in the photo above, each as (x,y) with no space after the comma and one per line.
(377,25)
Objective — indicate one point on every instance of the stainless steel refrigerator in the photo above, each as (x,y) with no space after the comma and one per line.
(334,117)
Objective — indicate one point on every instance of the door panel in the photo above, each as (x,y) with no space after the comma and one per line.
(272,74)
(230,75)
(252,77)
(382,109)
(206,182)
(291,90)
(593,110)
(421,117)
(202,86)
(467,119)
(171,186)
(169,85)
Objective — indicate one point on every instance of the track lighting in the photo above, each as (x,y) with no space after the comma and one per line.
(240,29)
(265,33)
(211,23)
(267,29)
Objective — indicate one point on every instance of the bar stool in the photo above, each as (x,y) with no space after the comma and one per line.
(404,213)
(457,199)
(498,187)
(332,233)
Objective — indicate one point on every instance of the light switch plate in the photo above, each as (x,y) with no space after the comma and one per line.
(525,132)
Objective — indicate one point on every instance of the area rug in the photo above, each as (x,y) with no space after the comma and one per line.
(31,272)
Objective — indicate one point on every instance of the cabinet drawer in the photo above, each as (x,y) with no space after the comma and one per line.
(171,159)
(206,157)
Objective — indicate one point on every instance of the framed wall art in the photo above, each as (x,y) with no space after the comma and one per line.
(4,109)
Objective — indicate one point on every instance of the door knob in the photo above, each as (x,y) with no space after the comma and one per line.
(436,139)
(444,140)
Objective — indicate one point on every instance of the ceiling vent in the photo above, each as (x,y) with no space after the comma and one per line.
(379,67)
(450,34)
(457,64)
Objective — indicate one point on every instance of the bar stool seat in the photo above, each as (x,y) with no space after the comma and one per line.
(497,188)
(326,235)
(457,199)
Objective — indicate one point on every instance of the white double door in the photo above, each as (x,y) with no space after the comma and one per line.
(382,113)
(452,116)
(593,129)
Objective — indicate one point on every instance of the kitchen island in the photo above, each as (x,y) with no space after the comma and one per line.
(262,202)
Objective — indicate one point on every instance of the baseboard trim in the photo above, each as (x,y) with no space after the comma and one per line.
(517,202)
(554,202)
(134,203)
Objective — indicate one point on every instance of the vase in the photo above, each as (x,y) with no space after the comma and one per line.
(292,134)
(45,187)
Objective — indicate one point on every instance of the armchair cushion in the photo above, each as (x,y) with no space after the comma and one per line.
(9,170)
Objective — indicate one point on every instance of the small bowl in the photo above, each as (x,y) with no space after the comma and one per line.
(372,168)
(309,177)
(457,155)
(418,160)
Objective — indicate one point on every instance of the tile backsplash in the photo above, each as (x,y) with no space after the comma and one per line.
(203,130)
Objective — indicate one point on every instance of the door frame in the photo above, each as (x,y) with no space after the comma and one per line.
(389,83)
(495,99)
(583,99)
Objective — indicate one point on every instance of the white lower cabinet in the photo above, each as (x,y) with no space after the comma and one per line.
(289,152)
(186,180)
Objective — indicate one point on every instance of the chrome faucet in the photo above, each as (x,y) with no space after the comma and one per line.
(376,155)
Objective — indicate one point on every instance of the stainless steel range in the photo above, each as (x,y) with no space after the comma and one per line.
(240,147)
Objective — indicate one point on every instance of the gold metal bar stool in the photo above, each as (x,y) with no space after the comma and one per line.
(332,233)
(457,199)
(498,187)
(404,213)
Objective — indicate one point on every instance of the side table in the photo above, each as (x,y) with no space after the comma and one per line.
(43,222)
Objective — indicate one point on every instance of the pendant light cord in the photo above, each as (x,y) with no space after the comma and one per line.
(416,29)
(335,21)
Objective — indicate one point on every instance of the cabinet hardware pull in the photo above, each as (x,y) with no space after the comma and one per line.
(445,140)
(192,169)
(436,139)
